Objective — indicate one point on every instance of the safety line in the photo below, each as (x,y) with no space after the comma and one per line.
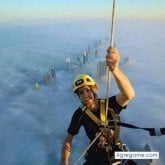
(111,45)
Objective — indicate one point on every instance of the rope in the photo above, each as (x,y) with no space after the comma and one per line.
(108,87)
(88,147)
(113,24)
(111,45)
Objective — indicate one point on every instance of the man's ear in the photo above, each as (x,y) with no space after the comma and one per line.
(95,88)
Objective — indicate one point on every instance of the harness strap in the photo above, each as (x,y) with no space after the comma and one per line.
(152,131)
(102,120)
(102,112)
(91,115)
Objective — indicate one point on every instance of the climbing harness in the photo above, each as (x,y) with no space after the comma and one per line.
(109,134)
(101,120)
(112,123)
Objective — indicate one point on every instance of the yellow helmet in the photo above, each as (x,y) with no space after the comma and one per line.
(83,80)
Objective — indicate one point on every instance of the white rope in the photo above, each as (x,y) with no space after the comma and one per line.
(113,24)
(108,87)
(111,45)
(88,147)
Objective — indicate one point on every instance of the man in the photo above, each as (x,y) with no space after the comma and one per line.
(102,151)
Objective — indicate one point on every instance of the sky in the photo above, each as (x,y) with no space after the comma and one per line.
(12,10)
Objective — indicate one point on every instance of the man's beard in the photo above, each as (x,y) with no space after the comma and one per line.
(90,104)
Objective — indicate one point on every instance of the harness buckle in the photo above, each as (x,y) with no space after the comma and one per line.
(106,139)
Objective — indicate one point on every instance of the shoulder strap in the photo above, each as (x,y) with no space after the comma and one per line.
(101,121)
(103,111)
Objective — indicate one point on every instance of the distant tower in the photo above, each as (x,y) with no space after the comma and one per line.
(85,58)
(79,59)
(87,55)
(89,49)
(37,86)
(97,51)
(95,44)
(68,62)
(101,70)
(47,78)
(75,69)
(100,42)
(53,73)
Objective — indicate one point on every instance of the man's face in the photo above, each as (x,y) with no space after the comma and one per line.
(86,96)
